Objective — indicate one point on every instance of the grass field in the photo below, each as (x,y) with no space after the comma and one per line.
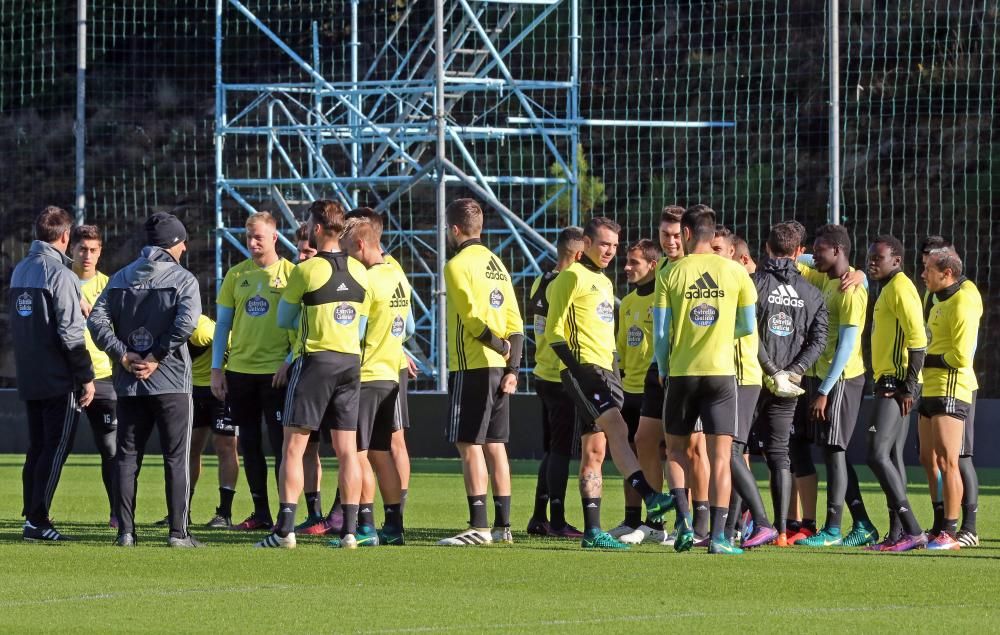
(533,585)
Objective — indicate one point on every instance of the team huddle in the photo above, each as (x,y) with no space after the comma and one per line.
(709,358)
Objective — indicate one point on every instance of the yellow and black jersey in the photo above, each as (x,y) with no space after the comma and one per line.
(480,296)
(259,345)
(91,290)
(704,293)
(200,348)
(389,310)
(930,299)
(582,314)
(897,327)
(392,262)
(663,267)
(953,328)
(546,361)
(332,290)
(748,371)
(845,309)
(635,336)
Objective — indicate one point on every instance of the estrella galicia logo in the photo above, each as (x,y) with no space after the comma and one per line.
(704,287)
(140,340)
(397,326)
(704,315)
(606,312)
(344,314)
(634,336)
(539,322)
(25,305)
(780,324)
(494,271)
(496,298)
(257,306)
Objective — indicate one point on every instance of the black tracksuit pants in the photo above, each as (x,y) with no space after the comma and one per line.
(137,416)
(51,430)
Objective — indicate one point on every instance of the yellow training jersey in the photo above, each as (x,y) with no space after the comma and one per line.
(845,309)
(663,267)
(635,336)
(200,348)
(479,296)
(704,293)
(392,262)
(91,290)
(897,327)
(582,314)
(931,299)
(259,346)
(332,290)
(748,371)
(546,361)
(390,306)
(953,328)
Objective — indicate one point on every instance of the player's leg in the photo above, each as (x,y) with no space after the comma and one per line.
(698,480)
(947,433)
(390,486)
(967,534)
(495,453)
(538,524)
(830,435)
(863,531)
(632,524)
(774,427)
(245,408)
(744,483)
(290,481)
(593,448)
(312,476)
(401,423)
(226,451)
(199,440)
(376,404)
(341,417)
(563,441)
(172,416)
(135,424)
(101,414)
(56,419)
(883,435)
(800,453)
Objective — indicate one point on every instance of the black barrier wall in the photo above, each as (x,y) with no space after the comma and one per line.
(428,412)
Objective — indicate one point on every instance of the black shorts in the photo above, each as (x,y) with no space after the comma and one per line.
(376,413)
(713,399)
(102,411)
(594,390)
(631,411)
(323,391)
(251,397)
(401,415)
(746,407)
(936,406)
(478,412)
(652,394)
(842,407)
(210,412)
(802,428)
(559,433)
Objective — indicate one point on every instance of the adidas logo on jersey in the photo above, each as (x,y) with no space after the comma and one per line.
(342,287)
(704,287)
(246,283)
(399,299)
(494,271)
(785,295)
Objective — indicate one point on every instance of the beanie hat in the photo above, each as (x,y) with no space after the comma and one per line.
(164,230)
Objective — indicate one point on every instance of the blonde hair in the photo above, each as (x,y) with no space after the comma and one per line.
(261,217)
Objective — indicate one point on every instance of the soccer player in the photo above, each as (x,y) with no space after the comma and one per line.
(559,435)
(304,250)
(635,349)
(210,417)
(710,301)
(389,324)
(967,535)
(792,327)
(835,393)
(898,347)
(143,319)
(86,249)
(253,382)
(485,339)
(327,296)
(580,330)
(55,376)
(948,393)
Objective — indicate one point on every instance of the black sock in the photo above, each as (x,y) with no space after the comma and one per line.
(792,525)
(834,515)
(366,515)
(633,516)
(950,526)
(591,514)
(938,517)
(557,476)
(717,523)
(286,519)
(641,485)
(314,504)
(557,513)
(261,507)
(895,526)
(701,518)
(654,524)
(501,505)
(907,521)
(541,492)
(226,501)
(394,516)
(969,517)
(540,512)
(809,523)
(336,503)
(477,512)
(853,498)
(402,500)
(350,520)
(681,500)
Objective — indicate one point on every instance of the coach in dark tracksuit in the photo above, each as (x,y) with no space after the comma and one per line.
(143,319)
(55,377)
(792,325)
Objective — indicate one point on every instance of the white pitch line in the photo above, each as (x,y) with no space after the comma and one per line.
(138,594)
